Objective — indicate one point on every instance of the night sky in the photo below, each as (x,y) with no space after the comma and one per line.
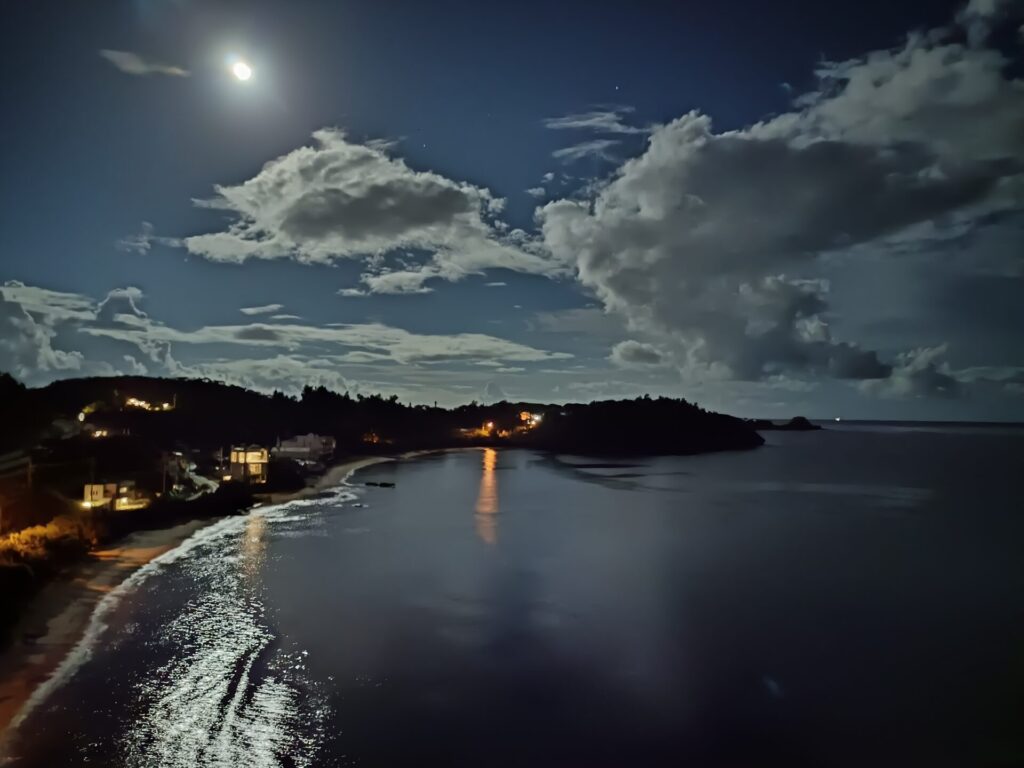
(769,208)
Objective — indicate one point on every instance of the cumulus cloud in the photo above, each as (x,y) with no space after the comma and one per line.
(135,368)
(263,309)
(536,192)
(918,373)
(26,343)
(593,148)
(978,17)
(714,243)
(342,200)
(986,8)
(133,64)
(924,97)
(632,354)
(38,329)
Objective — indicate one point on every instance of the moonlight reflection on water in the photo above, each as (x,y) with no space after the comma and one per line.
(825,600)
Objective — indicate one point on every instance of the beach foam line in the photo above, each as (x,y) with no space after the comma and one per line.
(82,651)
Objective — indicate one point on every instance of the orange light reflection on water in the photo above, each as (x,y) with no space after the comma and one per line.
(487,499)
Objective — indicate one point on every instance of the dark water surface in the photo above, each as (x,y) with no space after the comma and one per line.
(843,598)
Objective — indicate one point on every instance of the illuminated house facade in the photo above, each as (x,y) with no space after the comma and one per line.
(248,464)
(118,496)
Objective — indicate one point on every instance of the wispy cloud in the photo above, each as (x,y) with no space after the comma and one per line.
(265,309)
(133,64)
(608,120)
(47,334)
(595,148)
(142,242)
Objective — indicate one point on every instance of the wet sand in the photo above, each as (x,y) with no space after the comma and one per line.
(58,616)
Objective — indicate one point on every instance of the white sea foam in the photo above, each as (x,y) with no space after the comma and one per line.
(228,696)
(211,537)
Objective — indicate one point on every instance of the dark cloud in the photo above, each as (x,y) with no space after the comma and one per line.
(632,353)
(258,333)
(847,361)
(384,210)
(493,392)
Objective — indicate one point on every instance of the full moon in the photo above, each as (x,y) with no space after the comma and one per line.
(241,70)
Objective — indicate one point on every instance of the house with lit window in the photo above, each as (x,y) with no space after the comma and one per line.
(120,497)
(248,464)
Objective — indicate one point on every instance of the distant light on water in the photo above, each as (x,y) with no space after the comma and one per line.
(487,499)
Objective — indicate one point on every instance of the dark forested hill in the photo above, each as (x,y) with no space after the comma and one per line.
(204,413)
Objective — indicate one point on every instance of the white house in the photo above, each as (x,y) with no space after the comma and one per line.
(309,447)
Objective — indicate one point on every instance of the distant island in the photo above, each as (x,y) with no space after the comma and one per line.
(85,461)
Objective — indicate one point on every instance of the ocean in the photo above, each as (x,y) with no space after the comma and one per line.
(847,597)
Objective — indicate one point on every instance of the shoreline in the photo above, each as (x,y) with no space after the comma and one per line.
(335,475)
(59,615)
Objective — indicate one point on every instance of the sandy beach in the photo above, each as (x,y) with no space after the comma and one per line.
(59,615)
(329,479)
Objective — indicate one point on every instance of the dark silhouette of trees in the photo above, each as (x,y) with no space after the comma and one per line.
(211,415)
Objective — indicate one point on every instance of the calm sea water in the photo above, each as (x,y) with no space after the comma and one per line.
(843,598)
